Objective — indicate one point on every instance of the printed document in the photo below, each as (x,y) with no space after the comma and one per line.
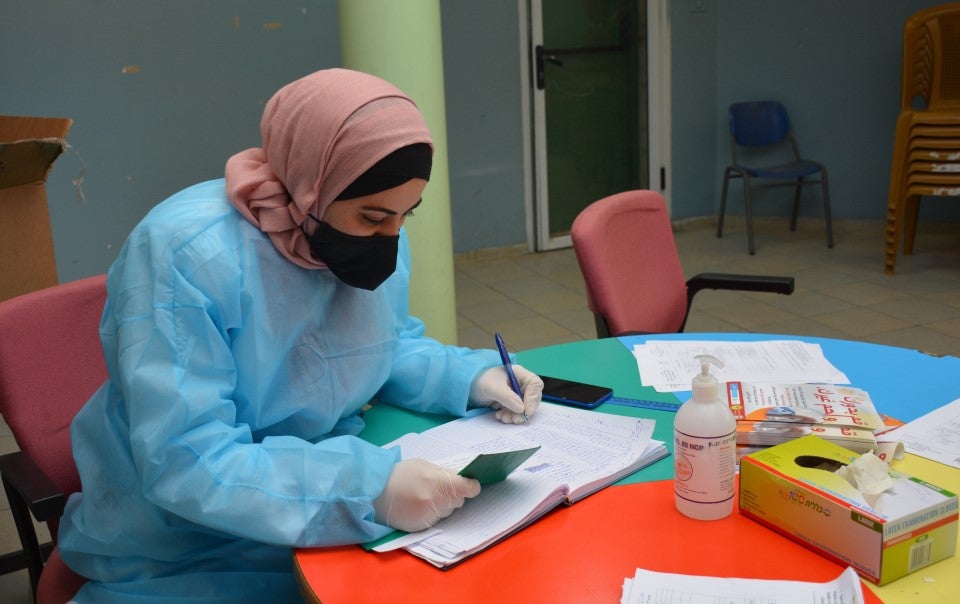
(935,435)
(670,365)
(648,587)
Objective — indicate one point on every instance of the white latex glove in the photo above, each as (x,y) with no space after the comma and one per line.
(492,389)
(419,493)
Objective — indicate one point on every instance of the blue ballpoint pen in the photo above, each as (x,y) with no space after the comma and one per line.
(508,366)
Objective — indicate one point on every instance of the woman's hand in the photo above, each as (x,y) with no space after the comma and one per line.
(492,389)
(419,493)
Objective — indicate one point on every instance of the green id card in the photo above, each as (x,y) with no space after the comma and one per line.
(494,467)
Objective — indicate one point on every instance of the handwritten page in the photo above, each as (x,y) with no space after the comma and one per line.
(648,587)
(576,446)
(669,365)
(498,504)
(579,452)
(935,435)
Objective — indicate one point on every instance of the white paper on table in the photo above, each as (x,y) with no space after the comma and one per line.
(648,587)
(935,435)
(670,365)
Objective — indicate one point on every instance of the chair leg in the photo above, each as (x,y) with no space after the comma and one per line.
(896,192)
(912,211)
(33,553)
(603,331)
(827,215)
(749,212)
(894,222)
(796,205)
(723,202)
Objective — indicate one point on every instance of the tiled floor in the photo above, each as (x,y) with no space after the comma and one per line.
(538,299)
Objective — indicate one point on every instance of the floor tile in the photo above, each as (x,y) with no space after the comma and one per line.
(483,314)
(865,293)
(916,310)
(860,322)
(519,333)
(950,297)
(950,327)
(530,287)
(749,314)
(809,303)
(919,338)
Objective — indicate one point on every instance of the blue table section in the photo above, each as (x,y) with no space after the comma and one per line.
(902,383)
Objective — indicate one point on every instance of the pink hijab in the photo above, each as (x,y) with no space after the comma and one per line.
(319,134)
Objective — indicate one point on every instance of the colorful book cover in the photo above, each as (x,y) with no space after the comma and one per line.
(827,404)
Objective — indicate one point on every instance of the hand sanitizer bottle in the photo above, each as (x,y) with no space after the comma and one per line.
(705,450)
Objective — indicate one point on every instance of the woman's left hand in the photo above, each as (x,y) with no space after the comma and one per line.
(492,389)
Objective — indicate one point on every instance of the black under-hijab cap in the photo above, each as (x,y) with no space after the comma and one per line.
(406,163)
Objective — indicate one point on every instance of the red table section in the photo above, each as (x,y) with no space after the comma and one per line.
(580,553)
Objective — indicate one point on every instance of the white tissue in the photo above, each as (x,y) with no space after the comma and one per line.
(888,450)
(868,474)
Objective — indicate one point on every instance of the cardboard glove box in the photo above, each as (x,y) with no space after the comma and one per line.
(793,489)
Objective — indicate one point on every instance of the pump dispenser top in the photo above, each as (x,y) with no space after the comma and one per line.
(705,384)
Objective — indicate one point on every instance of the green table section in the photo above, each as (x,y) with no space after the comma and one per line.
(602,362)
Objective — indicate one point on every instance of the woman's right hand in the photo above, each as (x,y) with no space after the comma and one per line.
(419,493)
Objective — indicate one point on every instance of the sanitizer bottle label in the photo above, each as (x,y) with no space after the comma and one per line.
(705,467)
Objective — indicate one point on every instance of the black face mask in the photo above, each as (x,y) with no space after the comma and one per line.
(363,262)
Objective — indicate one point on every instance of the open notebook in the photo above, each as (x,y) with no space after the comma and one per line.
(580,452)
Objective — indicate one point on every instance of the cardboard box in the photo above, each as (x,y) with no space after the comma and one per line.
(792,488)
(28,148)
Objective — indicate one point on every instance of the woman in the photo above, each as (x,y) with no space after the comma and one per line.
(248,321)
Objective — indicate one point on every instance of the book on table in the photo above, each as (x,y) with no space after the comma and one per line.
(580,452)
(772,413)
(756,433)
(828,404)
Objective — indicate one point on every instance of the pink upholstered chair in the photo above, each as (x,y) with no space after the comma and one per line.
(50,364)
(628,257)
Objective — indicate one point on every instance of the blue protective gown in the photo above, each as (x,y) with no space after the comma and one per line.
(225,434)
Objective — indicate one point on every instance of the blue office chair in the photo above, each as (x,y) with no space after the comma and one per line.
(762,128)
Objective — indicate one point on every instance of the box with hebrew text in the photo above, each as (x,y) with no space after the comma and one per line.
(794,489)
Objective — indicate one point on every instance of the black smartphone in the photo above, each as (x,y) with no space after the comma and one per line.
(578,394)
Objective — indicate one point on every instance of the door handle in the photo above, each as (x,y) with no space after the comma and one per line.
(543,57)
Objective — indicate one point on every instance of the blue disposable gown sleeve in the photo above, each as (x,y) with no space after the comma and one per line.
(427,375)
(195,459)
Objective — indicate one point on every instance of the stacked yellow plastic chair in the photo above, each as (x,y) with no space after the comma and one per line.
(926,152)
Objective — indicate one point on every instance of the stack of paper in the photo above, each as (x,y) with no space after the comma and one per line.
(670,365)
(935,435)
(771,413)
(647,586)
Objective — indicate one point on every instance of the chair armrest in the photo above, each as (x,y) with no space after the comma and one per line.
(746,283)
(749,283)
(34,488)
(28,491)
